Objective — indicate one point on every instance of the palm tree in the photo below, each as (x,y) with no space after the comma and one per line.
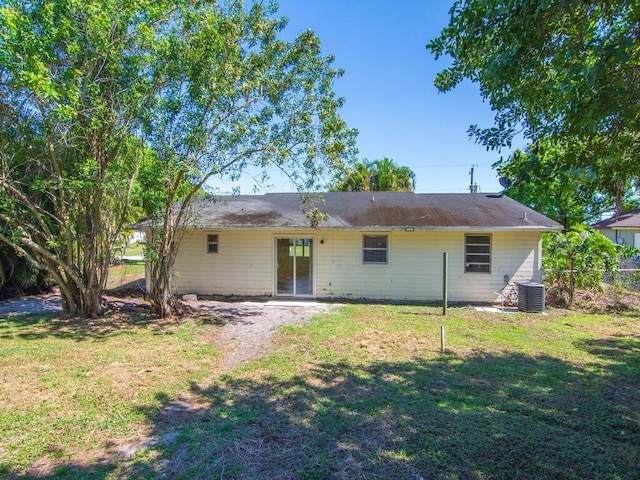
(382,175)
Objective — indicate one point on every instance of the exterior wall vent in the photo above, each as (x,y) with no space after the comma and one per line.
(531,297)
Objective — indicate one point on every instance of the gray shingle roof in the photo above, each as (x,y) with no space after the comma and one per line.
(626,220)
(373,210)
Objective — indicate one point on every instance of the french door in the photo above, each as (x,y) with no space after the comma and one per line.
(294,267)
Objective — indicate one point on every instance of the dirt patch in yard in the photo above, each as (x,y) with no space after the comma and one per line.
(246,330)
(248,327)
(242,330)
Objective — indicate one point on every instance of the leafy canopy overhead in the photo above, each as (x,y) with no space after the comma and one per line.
(565,74)
(570,195)
(550,67)
(72,78)
(234,95)
(94,92)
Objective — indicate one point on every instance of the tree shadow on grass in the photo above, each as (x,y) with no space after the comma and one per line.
(478,417)
(224,313)
(623,356)
(620,349)
(122,317)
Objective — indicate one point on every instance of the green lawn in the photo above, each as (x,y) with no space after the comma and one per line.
(129,275)
(363,393)
(136,248)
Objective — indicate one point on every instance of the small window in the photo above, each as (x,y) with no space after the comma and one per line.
(212,243)
(375,249)
(477,253)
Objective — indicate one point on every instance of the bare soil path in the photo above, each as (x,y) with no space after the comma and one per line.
(35,304)
(249,326)
(246,333)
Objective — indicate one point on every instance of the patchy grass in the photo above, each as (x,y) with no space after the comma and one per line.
(127,275)
(75,392)
(363,393)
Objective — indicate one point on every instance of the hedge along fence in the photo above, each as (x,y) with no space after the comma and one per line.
(616,287)
(584,259)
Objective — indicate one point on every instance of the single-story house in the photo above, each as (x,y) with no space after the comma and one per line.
(622,229)
(372,245)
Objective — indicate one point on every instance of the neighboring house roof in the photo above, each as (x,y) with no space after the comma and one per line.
(630,220)
(372,210)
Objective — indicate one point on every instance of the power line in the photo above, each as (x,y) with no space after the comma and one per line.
(445,166)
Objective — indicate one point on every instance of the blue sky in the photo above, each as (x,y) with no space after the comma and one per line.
(389,91)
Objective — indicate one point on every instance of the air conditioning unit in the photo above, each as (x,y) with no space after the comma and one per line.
(531,297)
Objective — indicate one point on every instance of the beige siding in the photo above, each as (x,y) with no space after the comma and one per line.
(242,266)
(245,265)
(414,270)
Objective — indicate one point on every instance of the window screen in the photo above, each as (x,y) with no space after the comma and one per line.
(212,243)
(477,254)
(375,249)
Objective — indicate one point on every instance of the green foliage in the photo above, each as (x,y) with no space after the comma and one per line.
(233,95)
(567,192)
(73,77)
(94,94)
(557,71)
(557,66)
(18,276)
(579,258)
(382,175)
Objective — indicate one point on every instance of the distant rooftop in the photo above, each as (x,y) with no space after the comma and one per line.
(626,220)
(373,210)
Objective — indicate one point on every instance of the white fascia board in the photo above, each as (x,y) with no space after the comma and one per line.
(371,228)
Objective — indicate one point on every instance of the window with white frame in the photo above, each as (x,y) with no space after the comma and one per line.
(477,253)
(374,249)
(212,243)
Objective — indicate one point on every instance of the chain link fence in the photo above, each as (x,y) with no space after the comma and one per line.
(594,289)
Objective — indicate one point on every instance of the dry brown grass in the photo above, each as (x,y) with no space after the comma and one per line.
(360,394)
(128,276)
(77,390)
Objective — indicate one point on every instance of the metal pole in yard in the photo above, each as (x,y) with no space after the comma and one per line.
(445,283)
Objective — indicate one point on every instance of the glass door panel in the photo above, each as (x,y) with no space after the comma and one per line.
(304,266)
(285,265)
(294,266)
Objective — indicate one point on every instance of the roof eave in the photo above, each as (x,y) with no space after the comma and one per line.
(457,228)
(618,227)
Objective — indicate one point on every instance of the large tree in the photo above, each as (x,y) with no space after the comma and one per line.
(72,78)
(378,175)
(234,96)
(568,192)
(560,71)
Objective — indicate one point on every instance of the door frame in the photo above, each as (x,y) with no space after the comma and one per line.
(275,266)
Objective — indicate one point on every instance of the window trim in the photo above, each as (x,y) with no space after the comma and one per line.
(207,243)
(490,254)
(385,249)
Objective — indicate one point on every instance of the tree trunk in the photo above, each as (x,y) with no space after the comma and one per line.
(91,302)
(80,300)
(572,280)
(619,202)
(161,297)
(163,301)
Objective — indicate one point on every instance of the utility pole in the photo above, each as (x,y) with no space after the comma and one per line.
(473,188)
